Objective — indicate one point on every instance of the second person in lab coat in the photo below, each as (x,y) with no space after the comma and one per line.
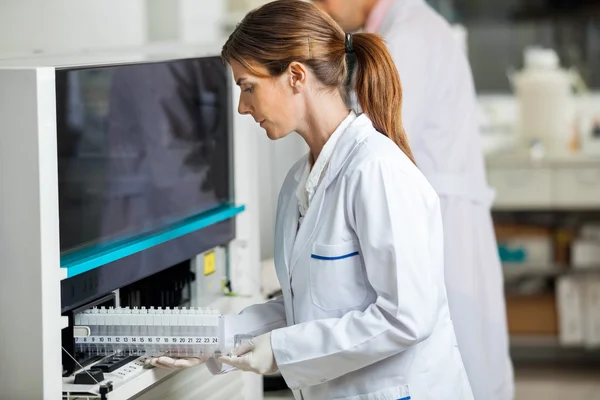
(440,117)
(359,242)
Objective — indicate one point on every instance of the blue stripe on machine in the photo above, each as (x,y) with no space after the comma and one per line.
(87,259)
(316,257)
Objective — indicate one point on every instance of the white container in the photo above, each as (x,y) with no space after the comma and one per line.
(590,231)
(570,299)
(585,254)
(546,103)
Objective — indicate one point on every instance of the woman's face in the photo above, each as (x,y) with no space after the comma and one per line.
(273,102)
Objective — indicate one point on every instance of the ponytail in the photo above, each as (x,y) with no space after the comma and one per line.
(378,88)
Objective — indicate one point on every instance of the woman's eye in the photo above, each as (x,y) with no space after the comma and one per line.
(249,90)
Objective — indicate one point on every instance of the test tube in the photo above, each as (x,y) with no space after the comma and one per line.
(175,331)
(189,321)
(214,341)
(158,321)
(94,330)
(134,330)
(143,330)
(110,330)
(167,328)
(88,321)
(191,324)
(150,332)
(133,333)
(127,330)
(207,330)
(141,340)
(199,328)
(101,331)
(118,341)
(182,332)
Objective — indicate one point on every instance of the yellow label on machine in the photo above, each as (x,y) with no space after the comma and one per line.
(209,263)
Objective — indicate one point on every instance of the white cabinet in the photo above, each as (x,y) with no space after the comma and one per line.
(564,183)
(521,187)
(577,187)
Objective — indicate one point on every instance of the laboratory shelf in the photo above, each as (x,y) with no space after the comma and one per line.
(558,195)
(512,272)
(551,183)
(517,272)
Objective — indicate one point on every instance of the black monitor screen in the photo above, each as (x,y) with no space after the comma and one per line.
(140,146)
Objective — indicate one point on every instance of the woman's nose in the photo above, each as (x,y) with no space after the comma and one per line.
(243,108)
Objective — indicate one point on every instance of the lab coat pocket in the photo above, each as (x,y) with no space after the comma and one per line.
(337,280)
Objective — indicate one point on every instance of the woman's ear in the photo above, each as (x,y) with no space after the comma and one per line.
(297,76)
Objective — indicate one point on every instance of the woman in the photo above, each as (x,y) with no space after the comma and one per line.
(359,244)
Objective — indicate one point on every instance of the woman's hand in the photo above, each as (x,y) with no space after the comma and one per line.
(255,356)
(175,363)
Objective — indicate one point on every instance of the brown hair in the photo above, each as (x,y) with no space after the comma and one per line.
(284,31)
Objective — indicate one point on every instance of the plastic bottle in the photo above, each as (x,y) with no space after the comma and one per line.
(546,102)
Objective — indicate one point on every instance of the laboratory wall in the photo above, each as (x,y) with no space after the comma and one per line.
(28,26)
(63,26)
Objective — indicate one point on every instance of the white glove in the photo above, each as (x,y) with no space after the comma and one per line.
(175,363)
(255,356)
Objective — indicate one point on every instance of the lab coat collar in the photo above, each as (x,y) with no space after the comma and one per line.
(356,132)
(346,143)
(303,162)
(314,171)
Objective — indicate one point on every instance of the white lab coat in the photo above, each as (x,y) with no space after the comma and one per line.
(364,314)
(439,114)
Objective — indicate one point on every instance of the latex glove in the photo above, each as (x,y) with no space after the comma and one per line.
(174,363)
(255,356)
